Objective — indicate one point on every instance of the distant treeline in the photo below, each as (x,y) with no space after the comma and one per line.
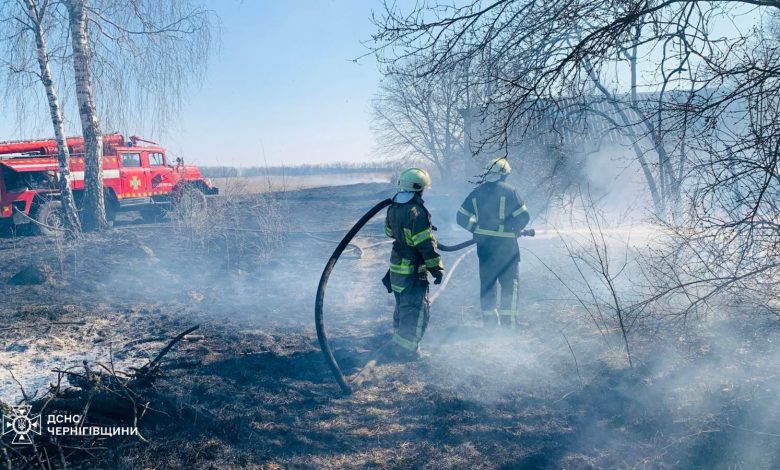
(298,170)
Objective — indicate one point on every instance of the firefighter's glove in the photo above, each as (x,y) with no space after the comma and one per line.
(438,275)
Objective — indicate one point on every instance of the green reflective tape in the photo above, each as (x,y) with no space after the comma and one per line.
(408,237)
(421,237)
(404,343)
(398,289)
(420,322)
(476,211)
(493,233)
(501,208)
(433,262)
(401,269)
(519,211)
(465,212)
(405,267)
(388,231)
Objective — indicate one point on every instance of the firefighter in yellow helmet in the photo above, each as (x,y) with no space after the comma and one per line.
(495,214)
(413,256)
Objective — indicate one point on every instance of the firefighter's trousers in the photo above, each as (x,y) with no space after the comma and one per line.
(499,266)
(412,312)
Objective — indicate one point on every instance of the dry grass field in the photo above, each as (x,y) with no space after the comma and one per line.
(250,389)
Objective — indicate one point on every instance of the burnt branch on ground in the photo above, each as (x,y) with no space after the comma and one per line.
(97,396)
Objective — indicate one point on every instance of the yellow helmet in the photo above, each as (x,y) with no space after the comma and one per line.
(499,166)
(413,179)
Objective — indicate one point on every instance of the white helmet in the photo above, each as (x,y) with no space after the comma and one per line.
(499,166)
(497,169)
(413,179)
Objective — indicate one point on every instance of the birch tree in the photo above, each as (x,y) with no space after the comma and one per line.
(29,20)
(132,59)
(93,202)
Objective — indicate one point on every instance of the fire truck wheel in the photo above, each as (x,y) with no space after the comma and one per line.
(49,218)
(112,207)
(191,202)
(110,215)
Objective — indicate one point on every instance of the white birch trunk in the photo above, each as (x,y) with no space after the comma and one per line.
(69,214)
(94,216)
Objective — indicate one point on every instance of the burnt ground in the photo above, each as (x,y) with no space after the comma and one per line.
(554,394)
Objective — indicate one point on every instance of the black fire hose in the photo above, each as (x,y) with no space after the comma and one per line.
(318,317)
(457,247)
(319,320)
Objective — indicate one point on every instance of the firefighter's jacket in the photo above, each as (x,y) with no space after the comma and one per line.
(414,245)
(493,211)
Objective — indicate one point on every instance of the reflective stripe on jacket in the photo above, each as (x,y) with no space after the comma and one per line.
(493,209)
(414,246)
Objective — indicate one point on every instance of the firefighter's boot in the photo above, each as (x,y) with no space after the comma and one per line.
(508,321)
(397,354)
(490,319)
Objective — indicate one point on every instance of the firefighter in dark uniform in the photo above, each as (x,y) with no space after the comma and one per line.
(413,256)
(496,215)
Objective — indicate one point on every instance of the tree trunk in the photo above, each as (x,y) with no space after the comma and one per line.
(658,200)
(69,214)
(93,207)
(468,128)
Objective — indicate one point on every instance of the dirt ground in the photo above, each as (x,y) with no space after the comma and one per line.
(553,394)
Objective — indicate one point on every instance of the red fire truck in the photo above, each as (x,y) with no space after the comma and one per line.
(137,176)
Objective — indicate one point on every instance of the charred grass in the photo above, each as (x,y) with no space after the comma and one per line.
(259,395)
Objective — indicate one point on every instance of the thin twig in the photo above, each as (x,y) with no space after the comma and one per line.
(576,364)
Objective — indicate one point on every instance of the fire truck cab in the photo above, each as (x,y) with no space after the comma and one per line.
(137,176)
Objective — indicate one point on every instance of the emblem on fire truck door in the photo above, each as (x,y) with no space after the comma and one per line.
(135,183)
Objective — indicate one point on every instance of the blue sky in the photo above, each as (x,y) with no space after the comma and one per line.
(282,89)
